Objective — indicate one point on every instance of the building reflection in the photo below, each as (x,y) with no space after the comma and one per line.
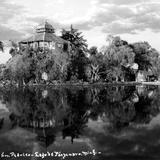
(48,112)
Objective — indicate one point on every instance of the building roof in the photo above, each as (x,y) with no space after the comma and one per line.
(44,33)
(45,27)
(43,37)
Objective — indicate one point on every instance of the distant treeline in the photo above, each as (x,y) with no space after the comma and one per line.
(118,61)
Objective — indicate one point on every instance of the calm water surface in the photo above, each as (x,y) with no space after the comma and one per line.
(117,122)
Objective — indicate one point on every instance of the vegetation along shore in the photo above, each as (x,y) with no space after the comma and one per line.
(67,60)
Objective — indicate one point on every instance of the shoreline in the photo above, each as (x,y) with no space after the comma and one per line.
(82,84)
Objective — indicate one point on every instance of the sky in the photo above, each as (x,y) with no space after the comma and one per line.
(132,20)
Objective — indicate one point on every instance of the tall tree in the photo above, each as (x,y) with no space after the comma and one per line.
(76,39)
(78,59)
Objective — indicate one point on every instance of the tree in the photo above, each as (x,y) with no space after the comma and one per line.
(42,62)
(14,48)
(141,50)
(77,66)
(19,69)
(60,67)
(147,58)
(77,57)
(76,39)
(118,58)
(30,64)
(95,66)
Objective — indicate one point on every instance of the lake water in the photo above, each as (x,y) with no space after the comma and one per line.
(94,123)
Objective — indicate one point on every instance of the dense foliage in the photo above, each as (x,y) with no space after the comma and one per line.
(119,61)
(78,60)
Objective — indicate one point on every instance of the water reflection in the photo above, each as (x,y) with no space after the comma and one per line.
(119,121)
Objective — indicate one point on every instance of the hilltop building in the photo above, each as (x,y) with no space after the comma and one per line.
(44,37)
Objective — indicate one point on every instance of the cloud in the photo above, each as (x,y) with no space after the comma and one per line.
(39,19)
(111,16)
(116,17)
(123,16)
(9,34)
(9,10)
(116,28)
(84,25)
(121,2)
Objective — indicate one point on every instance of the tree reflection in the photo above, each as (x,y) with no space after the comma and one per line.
(49,111)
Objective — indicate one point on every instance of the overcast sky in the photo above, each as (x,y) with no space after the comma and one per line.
(132,20)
